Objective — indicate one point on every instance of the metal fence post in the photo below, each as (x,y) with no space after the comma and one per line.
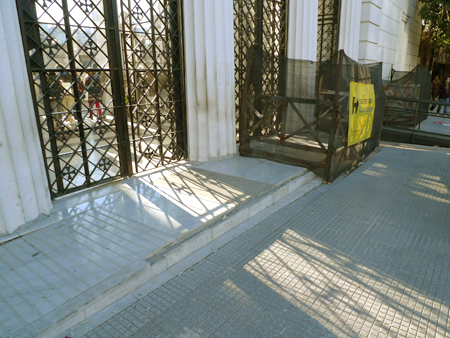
(334,121)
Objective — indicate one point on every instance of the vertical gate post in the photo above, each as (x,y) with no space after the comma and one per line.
(156,77)
(115,61)
(176,26)
(282,71)
(129,109)
(32,40)
(258,61)
(334,121)
(244,143)
(70,51)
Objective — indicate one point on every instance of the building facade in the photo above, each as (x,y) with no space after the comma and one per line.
(390,32)
(39,159)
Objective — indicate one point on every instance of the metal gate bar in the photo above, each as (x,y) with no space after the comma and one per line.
(63,42)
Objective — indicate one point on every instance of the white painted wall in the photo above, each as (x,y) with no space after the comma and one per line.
(209,64)
(24,192)
(413,31)
(390,33)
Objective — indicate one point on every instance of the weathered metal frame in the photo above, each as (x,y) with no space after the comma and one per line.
(411,134)
(58,135)
(248,131)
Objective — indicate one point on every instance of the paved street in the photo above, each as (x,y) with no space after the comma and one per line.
(367,256)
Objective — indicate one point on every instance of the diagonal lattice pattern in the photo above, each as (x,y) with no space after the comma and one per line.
(154,88)
(327,29)
(78,79)
(66,44)
(266,27)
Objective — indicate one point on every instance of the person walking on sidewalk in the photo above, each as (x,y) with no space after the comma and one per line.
(436,83)
(444,94)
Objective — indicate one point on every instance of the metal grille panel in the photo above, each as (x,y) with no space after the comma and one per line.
(74,55)
(70,70)
(262,23)
(328,29)
(153,61)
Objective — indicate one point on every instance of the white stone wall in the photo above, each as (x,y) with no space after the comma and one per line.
(209,65)
(390,33)
(24,193)
(414,32)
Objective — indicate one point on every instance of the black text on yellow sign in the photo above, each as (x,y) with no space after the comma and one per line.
(361,112)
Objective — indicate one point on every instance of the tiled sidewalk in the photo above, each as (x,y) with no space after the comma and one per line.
(367,256)
(51,272)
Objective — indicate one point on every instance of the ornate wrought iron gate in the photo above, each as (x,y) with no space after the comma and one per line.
(86,108)
(262,23)
(152,44)
(328,28)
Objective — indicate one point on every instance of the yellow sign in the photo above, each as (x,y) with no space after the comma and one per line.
(361,112)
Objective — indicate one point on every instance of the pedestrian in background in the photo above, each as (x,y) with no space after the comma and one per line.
(436,85)
(444,94)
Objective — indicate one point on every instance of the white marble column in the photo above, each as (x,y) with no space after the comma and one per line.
(209,64)
(24,193)
(302,45)
(302,31)
(349,28)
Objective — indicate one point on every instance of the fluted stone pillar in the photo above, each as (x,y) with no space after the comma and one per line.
(349,28)
(302,45)
(24,193)
(302,31)
(209,64)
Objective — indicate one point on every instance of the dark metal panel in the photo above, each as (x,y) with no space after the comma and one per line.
(32,40)
(112,35)
(73,70)
(152,52)
(262,23)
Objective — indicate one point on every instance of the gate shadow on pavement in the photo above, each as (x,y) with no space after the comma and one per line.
(366,256)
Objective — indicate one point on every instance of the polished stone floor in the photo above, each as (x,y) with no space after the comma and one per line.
(95,235)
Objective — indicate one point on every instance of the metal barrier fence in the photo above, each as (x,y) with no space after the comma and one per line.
(306,121)
(411,120)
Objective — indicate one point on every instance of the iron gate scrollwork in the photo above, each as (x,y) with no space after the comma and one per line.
(74,58)
(262,23)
